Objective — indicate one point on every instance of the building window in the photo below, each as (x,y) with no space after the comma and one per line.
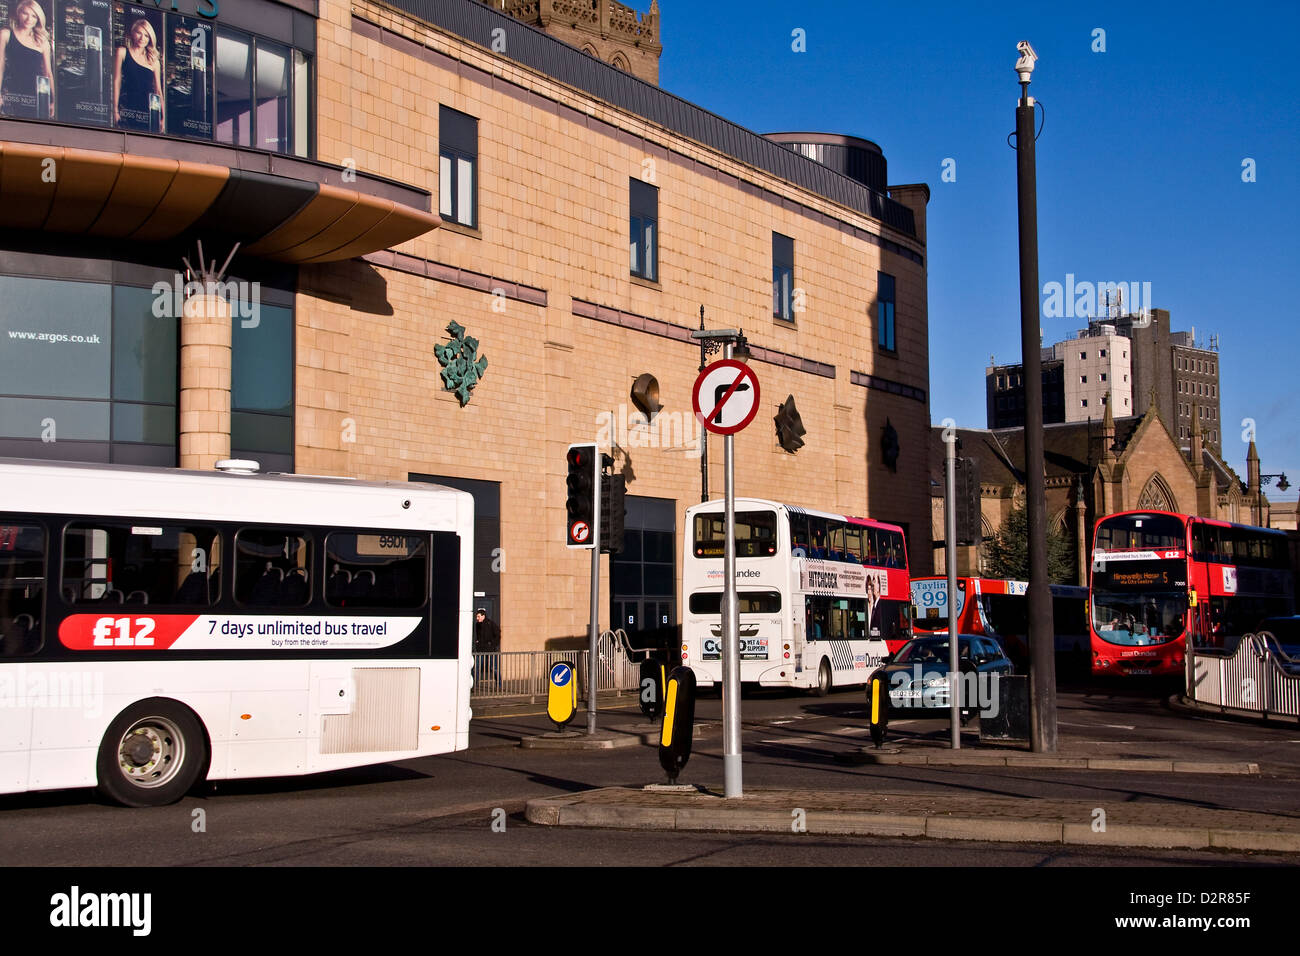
(782,276)
(1103,353)
(1103,376)
(1083,403)
(1126,403)
(263,92)
(457,167)
(643,201)
(1083,355)
(1083,380)
(885,313)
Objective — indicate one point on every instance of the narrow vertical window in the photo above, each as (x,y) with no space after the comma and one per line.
(885,311)
(782,277)
(643,220)
(457,162)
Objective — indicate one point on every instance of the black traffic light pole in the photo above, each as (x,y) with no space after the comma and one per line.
(583,506)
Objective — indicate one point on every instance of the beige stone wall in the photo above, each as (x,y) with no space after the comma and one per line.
(553,168)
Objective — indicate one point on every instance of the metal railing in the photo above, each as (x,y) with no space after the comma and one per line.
(526,673)
(1256,677)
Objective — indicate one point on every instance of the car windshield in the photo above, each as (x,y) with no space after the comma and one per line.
(1153,617)
(930,651)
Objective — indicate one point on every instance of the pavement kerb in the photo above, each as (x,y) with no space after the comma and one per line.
(571,811)
(1048,761)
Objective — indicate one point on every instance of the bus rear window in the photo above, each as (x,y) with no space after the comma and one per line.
(750,602)
(755,534)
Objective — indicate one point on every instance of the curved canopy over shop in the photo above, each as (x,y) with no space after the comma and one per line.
(125,196)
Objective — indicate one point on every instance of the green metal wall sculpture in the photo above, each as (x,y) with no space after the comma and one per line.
(462,366)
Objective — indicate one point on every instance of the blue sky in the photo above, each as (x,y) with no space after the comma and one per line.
(1139,164)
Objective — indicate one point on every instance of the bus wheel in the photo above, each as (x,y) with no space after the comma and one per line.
(823,679)
(151,755)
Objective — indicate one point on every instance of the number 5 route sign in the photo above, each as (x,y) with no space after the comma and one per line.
(725,397)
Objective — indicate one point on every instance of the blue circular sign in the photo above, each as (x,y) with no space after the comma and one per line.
(560,674)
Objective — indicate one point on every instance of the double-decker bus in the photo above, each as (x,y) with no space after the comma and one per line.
(159,627)
(999,608)
(823,598)
(1158,578)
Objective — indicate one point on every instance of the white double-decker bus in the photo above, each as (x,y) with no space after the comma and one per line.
(823,598)
(159,627)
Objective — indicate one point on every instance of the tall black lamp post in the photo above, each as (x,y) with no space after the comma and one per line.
(1042,644)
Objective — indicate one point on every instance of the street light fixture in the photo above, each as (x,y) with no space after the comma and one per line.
(1282,483)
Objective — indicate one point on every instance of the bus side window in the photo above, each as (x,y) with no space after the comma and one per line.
(376,570)
(835,551)
(272,568)
(853,544)
(799,535)
(817,537)
(22,589)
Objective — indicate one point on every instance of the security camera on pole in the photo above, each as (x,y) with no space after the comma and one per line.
(725,399)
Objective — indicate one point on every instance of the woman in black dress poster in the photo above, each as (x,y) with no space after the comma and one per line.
(137,80)
(27,87)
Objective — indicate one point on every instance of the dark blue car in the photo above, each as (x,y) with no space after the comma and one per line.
(916,678)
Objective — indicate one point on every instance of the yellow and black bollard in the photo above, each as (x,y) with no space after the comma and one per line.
(679,722)
(562,699)
(878,706)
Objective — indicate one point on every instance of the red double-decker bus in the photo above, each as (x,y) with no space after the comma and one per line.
(1159,578)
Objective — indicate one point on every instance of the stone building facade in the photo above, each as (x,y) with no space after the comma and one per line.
(606,29)
(532,207)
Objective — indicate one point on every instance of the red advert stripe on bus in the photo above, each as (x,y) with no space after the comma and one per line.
(89,632)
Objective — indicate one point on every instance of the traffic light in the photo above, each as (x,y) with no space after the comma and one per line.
(613,489)
(967,499)
(583,482)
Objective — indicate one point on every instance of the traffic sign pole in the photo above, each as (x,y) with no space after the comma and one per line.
(725,400)
(731,773)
